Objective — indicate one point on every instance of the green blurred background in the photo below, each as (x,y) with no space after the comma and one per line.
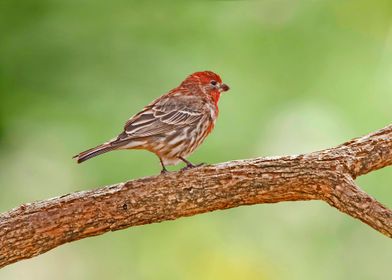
(304,75)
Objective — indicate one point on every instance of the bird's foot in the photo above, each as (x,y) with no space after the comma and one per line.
(190,166)
(164,171)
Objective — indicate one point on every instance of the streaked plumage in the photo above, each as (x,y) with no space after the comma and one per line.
(172,126)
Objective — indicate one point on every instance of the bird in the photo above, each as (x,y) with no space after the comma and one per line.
(173,125)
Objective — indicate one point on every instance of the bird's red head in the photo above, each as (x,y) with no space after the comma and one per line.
(208,81)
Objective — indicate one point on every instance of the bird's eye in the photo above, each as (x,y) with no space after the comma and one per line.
(213,82)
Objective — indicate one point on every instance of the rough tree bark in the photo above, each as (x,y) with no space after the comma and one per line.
(328,175)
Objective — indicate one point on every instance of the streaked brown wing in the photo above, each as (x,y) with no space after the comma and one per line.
(162,117)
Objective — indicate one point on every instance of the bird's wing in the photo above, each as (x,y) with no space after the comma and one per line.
(163,116)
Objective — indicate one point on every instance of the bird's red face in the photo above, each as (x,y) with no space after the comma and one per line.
(206,82)
(209,81)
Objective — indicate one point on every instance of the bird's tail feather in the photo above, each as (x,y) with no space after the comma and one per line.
(101,149)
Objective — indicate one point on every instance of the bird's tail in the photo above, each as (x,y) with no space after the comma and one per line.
(99,150)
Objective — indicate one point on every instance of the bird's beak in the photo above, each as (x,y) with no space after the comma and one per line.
(223,88)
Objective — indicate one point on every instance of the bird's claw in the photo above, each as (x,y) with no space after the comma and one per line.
(190,166)
(164,171)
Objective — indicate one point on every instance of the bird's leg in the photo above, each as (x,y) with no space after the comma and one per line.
(164,170)
(189,164)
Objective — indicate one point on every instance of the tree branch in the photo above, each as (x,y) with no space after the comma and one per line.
(327,175)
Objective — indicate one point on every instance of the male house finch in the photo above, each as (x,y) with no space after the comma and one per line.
(173,125)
